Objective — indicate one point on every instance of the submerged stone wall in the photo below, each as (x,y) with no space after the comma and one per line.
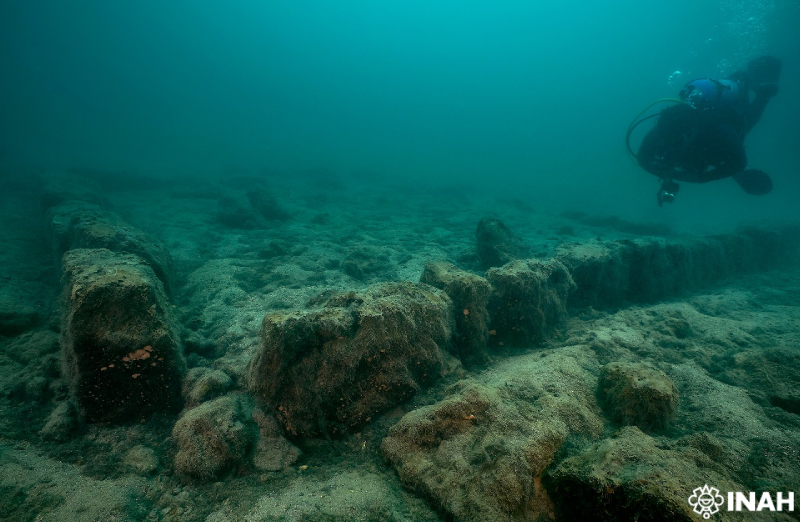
(489,451)
(610,273)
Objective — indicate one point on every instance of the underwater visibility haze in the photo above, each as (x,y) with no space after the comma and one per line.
(364,260)
(528,96)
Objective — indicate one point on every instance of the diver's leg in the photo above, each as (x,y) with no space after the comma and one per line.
(763,74)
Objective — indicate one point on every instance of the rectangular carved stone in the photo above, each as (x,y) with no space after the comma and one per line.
(121,352)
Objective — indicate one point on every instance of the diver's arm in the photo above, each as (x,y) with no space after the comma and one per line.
(755,109)
(762,77)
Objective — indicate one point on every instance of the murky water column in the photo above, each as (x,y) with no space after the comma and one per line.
(744,29)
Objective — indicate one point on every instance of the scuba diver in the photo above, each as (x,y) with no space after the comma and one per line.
(701,138)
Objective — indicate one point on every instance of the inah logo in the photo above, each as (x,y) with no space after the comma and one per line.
(706,501)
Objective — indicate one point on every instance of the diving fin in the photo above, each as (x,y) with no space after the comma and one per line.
(763,70)
(754,182)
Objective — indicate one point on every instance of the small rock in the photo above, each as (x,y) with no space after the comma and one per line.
(275,454)
(62,422)
(496,244)
(202,384)
(633,394)
(214,437)
(141,460)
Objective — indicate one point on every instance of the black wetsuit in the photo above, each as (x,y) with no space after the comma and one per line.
(700,145)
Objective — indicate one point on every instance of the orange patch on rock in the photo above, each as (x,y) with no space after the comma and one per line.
(139,355)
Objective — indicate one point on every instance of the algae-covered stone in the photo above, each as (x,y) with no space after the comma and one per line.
(496,244)
(120,350)
(479,454)
(62,423)
(631,477)
(202,384)
(647,269)
(529,300)
(331,370)
(470,296)
(76,225)
(272,451)
(600,272)
(633,394)
(141,460)
(364,264)
(771,375)
(215,437)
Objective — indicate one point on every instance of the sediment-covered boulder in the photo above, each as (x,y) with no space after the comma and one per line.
(632,477)
(771,375)
(480,453)
(202,384)
(76,224)
(364,264)
(634,394)
(215,437)
(332,369)
(470,296)
(60,186)
(234,212)
(266,205)
(272,452)
(496,243)
(62,422)
(529,300)
(140,460)
(120,350)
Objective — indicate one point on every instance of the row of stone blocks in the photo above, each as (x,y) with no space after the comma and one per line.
(353,355)
(332,369)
